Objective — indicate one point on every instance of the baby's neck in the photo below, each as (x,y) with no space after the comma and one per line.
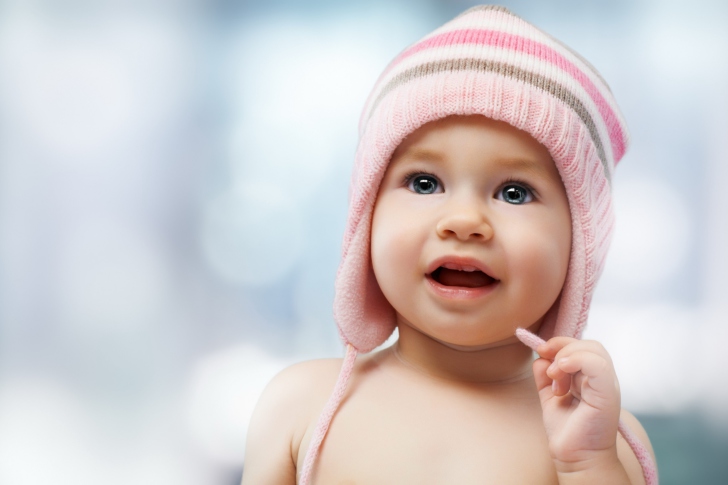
(505,361)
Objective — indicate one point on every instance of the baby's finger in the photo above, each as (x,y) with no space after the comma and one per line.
(561,387)
(546,386)
(551,347)
(597,369)
(539,373)
(555,372)
(560,379)
(582,345)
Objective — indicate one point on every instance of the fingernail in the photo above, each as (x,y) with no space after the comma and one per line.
(552,367)
(563,360)
(554,386)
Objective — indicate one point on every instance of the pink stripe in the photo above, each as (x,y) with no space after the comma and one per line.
(536,49)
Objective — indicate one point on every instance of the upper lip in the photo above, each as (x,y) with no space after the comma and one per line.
(460,262)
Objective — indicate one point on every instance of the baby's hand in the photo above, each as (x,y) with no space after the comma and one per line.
(580,400)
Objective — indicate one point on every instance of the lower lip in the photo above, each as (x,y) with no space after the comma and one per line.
(459,292)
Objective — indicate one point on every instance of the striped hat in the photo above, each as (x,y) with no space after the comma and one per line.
(490,62)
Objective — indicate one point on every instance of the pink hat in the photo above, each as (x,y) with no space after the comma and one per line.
(487,61)
(490,62)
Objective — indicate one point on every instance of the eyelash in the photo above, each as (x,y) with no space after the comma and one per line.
(515,181)
(409,176)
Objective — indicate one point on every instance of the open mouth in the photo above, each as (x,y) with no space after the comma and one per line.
(461,276)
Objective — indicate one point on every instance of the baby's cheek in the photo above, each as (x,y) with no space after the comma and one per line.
(387,242)
(542,271)
(390,253)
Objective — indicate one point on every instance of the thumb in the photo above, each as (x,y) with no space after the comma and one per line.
(539,374)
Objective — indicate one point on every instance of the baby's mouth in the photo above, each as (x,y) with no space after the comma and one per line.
(467,277)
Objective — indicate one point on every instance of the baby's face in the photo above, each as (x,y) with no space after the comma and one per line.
(471,232)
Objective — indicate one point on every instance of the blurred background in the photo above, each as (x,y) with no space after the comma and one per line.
(173,187)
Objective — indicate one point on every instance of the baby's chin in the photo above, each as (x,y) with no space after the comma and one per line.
(462,340)
(468,345)
(478,346)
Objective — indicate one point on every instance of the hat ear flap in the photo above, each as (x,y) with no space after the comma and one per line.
(364,316)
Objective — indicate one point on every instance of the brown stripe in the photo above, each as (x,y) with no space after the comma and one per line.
(483,65)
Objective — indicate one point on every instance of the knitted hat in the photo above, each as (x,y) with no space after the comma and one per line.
(490,62)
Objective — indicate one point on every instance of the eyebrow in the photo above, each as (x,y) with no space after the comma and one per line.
(420,154)
(526,165)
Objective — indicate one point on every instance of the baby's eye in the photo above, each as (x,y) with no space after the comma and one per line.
(515,194)
(423,184)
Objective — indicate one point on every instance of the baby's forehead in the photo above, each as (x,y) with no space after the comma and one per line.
(474,137)
(473,128)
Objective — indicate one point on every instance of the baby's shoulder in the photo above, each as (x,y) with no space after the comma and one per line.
(300,389)
(310,380)
(289,404)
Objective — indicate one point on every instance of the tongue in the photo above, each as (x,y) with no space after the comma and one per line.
(468,279)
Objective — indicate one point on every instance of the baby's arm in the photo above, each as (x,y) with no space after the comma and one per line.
(268,449)
(581,408)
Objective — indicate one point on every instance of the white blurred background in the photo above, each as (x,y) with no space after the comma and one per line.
(173,186)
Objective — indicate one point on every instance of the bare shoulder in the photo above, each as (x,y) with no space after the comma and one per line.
(626,455)
(302,383)
(288,404)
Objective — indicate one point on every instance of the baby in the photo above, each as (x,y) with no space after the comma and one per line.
(480,215)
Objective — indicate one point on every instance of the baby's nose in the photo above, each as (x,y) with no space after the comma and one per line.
(465,223)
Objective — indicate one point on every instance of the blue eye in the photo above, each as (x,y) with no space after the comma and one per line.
(423,184)
(515,194)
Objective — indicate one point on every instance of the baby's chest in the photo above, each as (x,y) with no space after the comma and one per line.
(437,441)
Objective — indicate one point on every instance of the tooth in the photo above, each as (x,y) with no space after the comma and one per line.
(458,267)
